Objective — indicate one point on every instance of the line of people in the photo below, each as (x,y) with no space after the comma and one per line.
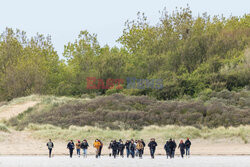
(79,145)
(170,147)
(133,148)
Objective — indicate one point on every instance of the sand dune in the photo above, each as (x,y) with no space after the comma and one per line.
(9,111)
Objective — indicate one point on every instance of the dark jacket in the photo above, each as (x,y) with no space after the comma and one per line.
(114,146)
(50,145)
(101,144)
(143,143)
(187,143)
(84,145)
(71,146)
(181,146)
(166,146)
(121,146)
(110,144)
(174,145)
(152,145)
(132,147)
(171,145)
(127,145)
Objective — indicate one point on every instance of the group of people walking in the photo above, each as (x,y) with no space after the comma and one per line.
(170,147)
(79,145)
(134,148)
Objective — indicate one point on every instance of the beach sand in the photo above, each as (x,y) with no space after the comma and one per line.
(22,143)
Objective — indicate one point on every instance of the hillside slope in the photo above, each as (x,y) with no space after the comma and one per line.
(118,111)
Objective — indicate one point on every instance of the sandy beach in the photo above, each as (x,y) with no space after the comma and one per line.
(22,143)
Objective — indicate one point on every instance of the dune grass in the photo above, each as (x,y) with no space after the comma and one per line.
(3,128)
(163,133)
(33,97)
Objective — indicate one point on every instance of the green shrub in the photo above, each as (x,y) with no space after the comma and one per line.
(3,128)
(118,111)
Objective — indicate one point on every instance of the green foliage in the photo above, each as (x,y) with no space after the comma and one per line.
(191,54)
(191,51)
(115,89)
(27,65)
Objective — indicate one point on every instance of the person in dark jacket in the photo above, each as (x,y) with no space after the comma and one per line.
(121,147)
(114,147)
(50,146)
(118,151)
(152,146)
(173,152)
(188,145)
(71,147)
(143,143)
(171,147)
(182,148)
(84,147)
(132,147)
(127,147)
(109,147)
(167,149)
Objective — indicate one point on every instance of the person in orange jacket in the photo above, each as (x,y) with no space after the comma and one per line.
(100,150)
(78,148)
(140,147)
(97,144)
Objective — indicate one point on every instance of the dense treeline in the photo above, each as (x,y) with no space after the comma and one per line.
(192,55)
(28,65)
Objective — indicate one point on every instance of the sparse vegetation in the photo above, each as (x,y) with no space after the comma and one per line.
(160,133)
(3,128)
